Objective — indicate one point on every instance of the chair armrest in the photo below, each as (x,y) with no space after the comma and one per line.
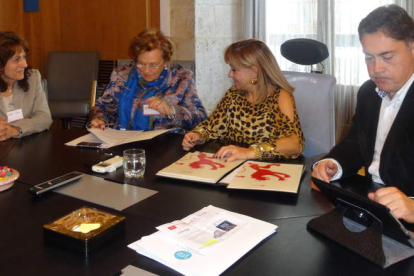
(93,92)
(44,86)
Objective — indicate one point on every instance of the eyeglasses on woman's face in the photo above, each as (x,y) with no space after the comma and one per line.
(152,66)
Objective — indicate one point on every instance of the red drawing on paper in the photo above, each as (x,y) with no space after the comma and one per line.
(261,172)
(203,159)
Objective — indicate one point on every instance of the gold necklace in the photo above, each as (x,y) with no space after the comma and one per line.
(9,92)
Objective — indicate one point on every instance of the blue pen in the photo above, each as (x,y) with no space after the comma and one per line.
(196,141)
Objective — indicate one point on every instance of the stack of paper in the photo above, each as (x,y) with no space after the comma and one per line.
(199,166)
(204,243)
(254,175)
(112,137)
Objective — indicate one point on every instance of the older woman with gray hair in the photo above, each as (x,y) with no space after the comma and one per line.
(149,82)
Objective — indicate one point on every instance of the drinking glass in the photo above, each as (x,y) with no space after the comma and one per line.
(134,163)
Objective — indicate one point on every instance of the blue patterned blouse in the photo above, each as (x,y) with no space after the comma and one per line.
(121,104)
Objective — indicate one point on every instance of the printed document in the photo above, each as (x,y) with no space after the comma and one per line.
(203,229)
(112,137)
(204,243)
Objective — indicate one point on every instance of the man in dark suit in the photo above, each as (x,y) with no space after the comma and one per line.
(381,137)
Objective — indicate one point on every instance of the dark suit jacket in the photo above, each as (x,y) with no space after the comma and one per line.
(397,157)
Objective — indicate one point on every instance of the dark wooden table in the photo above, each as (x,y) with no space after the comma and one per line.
(292,251)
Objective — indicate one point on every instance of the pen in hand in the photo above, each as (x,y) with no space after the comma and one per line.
(196,142)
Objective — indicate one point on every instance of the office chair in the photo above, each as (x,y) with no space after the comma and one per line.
(314,94)
(315,103)
(305,51)
(71,78)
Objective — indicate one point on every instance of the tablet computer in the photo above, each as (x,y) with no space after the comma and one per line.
(366,210)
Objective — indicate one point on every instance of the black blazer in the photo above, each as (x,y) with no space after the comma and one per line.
(357,148)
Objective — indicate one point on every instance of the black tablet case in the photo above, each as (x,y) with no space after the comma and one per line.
(383,240)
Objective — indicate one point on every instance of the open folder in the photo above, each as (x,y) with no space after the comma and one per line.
(199,166)
(276,177)
(204,243)
(251,175)
(112,137)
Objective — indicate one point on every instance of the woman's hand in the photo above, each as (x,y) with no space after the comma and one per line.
(161,105)
(7,131)
(234,153)
(96,123)
(190,140)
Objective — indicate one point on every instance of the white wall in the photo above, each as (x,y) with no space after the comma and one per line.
(218,24)
(201,30)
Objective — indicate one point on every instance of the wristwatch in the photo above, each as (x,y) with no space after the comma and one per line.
(172,117)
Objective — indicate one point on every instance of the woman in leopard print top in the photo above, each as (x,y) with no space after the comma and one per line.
(259,110)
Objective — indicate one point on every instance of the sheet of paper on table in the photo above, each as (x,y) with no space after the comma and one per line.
(204,243)
(112,137)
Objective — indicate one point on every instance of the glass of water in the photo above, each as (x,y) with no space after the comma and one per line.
(134,163)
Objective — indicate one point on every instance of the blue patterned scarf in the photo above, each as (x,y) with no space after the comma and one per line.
(137,88)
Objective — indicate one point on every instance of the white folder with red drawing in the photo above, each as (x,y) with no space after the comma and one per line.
(199,166)
(253,175)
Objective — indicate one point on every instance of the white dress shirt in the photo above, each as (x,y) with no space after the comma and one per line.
(389,110)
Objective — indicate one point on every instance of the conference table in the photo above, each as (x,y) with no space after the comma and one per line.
(293,250)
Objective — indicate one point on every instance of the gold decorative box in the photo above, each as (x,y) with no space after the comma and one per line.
(83,230)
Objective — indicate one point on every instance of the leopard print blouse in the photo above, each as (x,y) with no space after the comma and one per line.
(238,120)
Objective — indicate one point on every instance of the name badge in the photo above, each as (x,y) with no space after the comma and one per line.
(14,115)
(148,111)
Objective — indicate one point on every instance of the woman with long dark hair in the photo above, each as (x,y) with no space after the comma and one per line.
(23,105)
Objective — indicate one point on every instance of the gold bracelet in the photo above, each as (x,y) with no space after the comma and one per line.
(264,151)
(203,132)
(257,152)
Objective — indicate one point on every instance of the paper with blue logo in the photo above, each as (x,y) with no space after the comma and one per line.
(199,243)
(203,229)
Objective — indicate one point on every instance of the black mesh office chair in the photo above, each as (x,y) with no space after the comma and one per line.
(305,51)
(70,79)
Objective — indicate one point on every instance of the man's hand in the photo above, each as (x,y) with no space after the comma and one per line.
(325,170)
(401,206)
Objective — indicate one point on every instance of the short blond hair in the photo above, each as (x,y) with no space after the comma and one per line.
(148,40)
(253,52)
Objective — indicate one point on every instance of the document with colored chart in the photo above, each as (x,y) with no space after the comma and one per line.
(204,243)
(199,166)
(254,175)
